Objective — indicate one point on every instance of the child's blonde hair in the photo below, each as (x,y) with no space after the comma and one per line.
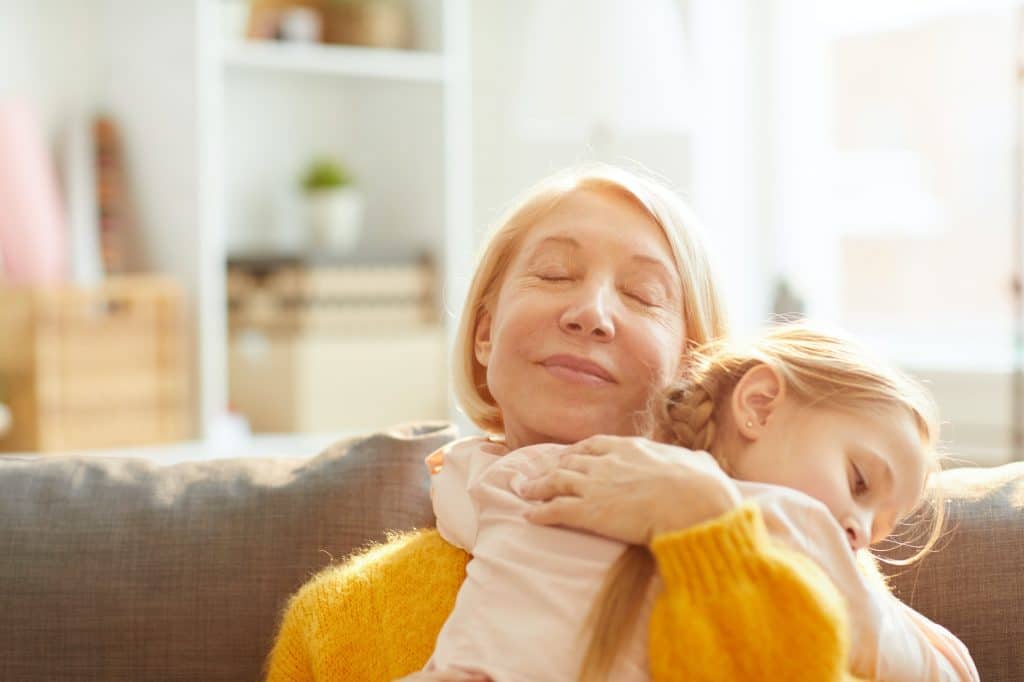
(703,310)
(820,369)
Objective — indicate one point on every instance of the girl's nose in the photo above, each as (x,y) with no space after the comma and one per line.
(859,533)
(589,314)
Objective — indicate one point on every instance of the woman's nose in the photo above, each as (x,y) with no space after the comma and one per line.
(589,314)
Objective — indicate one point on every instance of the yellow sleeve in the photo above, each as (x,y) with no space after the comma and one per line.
(375,617)
(736,607)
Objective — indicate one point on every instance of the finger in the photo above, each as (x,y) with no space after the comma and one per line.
(564,511)
(556,483)
(435,460)
(597,445)
(575,462)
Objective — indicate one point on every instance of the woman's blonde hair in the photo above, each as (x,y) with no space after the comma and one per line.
(821,369)
(703,310)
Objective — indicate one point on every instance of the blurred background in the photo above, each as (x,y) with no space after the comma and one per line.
(233,226)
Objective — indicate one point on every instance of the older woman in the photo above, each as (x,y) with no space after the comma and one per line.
(582,308)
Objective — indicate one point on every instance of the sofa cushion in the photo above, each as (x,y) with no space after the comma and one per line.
(973,582)
(123,569)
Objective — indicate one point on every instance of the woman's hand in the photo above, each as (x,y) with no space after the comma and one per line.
(630,489)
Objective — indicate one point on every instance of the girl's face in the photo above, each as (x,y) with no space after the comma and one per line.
(868,468)
(587,324)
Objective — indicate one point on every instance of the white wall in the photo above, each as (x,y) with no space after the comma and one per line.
(48,55)
(505,162)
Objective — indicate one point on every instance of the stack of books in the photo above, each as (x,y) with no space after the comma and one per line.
(289,295)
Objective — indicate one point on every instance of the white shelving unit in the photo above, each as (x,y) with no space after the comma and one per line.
(384,64)
(400,119)
(210,125)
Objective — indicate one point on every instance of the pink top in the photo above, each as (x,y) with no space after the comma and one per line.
(529,587)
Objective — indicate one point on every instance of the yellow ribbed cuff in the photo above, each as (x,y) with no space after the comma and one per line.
(704,557)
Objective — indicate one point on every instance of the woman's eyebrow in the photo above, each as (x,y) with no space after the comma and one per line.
(575,244)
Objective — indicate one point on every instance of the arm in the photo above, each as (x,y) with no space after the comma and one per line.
(375,617)
(727,591)
(453,469)
(890,641)
(735,605)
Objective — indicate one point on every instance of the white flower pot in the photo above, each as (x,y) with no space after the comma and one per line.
(335,218)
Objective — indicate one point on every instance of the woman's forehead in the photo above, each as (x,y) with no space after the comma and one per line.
(586,219)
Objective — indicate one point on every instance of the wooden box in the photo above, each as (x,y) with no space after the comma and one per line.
(322,382)
(94,367)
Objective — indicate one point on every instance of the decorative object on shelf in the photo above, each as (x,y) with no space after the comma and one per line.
(33,242)
(294,296)
(786,304)
(82,208)
(334,207)
(95,367)
(369,23)
(267,18)
(301,25)
(117,218)
(335,339)
(5,412)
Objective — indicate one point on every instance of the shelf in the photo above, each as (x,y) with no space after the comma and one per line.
(362,62)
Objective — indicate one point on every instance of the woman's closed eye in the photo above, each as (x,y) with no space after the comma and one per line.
(649,294)
(650,299)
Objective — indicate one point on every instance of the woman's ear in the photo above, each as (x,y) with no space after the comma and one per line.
(755,399)
(482,338)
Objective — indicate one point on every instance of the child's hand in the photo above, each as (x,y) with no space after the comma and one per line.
(630,489)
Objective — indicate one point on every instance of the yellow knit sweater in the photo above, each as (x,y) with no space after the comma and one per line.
(734,607)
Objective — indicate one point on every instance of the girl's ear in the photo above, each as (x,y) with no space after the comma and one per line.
(755,399)
(482,338)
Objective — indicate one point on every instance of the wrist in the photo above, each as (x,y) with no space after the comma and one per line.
(714,503)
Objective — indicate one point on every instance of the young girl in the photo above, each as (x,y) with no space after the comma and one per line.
(833,446)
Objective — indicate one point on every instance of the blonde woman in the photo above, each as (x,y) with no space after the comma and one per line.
(561,359)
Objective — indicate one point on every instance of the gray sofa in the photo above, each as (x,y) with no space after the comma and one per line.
(124,569)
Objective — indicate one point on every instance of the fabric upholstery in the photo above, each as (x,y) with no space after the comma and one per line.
(123,569)
(973,582)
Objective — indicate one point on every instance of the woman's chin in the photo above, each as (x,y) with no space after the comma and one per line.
(572,427)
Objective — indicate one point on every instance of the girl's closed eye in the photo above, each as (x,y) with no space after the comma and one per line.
(859,483)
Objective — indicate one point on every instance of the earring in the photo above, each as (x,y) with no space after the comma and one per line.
(750,424)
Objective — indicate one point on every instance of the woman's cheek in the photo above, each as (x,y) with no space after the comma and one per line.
(662,354)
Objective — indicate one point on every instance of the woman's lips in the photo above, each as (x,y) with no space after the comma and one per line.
(577,370)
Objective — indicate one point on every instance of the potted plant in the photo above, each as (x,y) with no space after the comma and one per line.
(334,206)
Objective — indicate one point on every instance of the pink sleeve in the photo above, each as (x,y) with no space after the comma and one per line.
(457,514)
(889,640)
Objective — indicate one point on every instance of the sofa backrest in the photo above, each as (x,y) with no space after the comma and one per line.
(973,582)
(123,569)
